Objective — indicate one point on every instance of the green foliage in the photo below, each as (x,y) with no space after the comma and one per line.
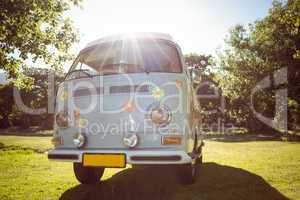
(36,97)
(200,62)
(34,31)
(6,102)
(202,66)
(256,52)
(18,118)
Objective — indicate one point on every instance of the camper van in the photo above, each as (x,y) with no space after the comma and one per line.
(128,99)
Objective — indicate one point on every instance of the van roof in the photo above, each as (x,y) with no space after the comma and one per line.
(112,38)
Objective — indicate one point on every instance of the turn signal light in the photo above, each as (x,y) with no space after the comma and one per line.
(171,140)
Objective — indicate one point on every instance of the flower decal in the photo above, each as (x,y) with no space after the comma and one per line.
(158,93)
(178,84)
(81,122)
(76,114)
(63,96)
(129,106)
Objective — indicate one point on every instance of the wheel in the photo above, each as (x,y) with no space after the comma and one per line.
(87,175)
(187,173)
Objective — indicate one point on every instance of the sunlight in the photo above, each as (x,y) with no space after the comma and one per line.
(119,17)
(197,25)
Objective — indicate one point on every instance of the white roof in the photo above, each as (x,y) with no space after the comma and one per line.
(111,38)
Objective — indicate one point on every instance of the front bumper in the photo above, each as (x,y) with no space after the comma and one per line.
(132,156)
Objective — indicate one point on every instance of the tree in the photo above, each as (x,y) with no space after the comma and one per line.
(6,102)
(34,31)
(256,52)
(210,107)
(198,61)
(36,98)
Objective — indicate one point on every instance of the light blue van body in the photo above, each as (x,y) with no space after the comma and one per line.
(104,119)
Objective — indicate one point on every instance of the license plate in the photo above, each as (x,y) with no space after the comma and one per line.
(104,160)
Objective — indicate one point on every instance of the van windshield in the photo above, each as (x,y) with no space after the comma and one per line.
(124,57)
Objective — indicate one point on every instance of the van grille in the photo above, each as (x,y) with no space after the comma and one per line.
(88,92)
(128,89)
(112,90)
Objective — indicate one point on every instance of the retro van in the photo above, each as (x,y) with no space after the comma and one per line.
(128,99)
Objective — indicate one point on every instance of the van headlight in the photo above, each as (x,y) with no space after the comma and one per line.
(62,119)
(160,115)
(79,140)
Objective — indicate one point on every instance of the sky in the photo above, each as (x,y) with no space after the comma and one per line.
(199,26)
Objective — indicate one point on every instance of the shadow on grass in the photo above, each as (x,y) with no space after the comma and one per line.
(213,182)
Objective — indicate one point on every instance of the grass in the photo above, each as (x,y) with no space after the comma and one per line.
(278,163)
(31,131)
(39,144)
(239,170)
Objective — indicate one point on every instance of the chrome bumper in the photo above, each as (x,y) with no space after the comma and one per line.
(132,156)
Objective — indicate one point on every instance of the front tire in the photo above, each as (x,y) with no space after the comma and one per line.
(187,173)
(87,175)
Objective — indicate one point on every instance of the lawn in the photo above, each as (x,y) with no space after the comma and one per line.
(237,170)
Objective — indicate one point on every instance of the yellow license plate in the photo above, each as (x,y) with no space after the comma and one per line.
(104,160)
